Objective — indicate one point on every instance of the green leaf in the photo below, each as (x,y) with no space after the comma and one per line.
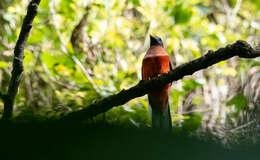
(181,14)
(256,64)
(176,98)
(3,64)
(239,100)
(28,57)
(232,3)
(256,2)
(135,2)
(190,84)
(193,123)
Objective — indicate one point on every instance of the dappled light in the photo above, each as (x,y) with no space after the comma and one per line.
(83,65)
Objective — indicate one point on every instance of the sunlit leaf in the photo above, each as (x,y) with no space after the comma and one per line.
(229,71)
(3,64)
(28,57)
(175,119)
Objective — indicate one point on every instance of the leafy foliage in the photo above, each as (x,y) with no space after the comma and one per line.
(239,100)
(59,79)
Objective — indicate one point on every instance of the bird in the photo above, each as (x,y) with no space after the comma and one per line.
(156,62)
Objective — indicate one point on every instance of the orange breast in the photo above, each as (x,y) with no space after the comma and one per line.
(152,66)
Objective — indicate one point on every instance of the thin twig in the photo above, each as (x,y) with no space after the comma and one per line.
(240,48)
(242,126)
(18,59)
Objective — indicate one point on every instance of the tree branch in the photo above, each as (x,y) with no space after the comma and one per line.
(239,48)
(18,59)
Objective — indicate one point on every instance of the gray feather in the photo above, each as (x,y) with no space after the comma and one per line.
(161,120)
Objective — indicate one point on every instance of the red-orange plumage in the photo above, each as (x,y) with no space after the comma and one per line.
(156,62)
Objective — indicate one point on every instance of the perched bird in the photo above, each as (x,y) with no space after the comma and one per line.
(156,62)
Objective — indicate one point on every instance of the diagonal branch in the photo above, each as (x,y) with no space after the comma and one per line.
(239,48)
(18,59)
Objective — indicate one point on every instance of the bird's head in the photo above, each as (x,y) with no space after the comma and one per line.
(155,41)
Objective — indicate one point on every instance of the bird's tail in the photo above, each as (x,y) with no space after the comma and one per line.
(162,120)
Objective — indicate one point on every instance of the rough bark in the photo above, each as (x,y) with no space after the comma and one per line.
(239,48)
(18,59)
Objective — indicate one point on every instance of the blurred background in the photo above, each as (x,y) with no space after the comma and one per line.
(81,50)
